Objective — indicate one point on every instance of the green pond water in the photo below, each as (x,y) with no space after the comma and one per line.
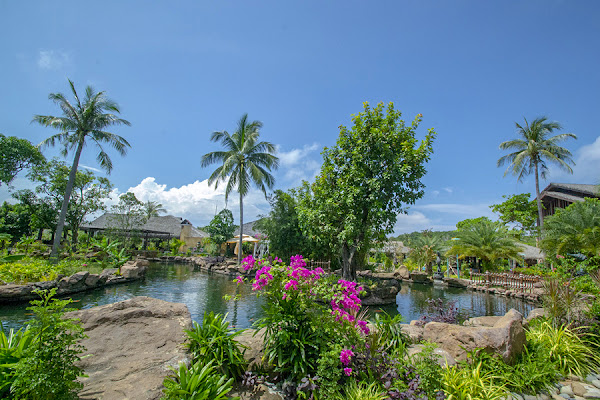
(203,291)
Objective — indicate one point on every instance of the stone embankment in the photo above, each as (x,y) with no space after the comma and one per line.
(79,282)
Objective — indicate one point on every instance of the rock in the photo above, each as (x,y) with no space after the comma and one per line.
(414,332)
(567,390)
(92,280)
(596,382)
(444,358)
(578,389)
(254,341)
(108,272)
(592,394)
(261,392)
(482,321)
(459,283)
(142,262)
(131,345)
(419,277)
(529,397)
(506,337)
(133,271)
(403,272)
(536,313)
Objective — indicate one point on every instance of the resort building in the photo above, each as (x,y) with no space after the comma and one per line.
(561,195)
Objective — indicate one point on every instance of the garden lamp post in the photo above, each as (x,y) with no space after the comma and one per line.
(457,261)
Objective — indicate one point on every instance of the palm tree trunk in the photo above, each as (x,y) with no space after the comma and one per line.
(241,228)
(65,204)
(539,201)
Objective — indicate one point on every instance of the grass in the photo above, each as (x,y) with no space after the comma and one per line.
(31,269)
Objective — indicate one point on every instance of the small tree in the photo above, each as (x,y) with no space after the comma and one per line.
(16,155)
(221,228)
(371,174)
(128,217)
(518,209)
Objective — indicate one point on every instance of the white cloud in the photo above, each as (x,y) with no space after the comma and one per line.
(90,168)
(435,192)
(460,210)
(198,201)
(417,221)
(298,164)
(586,168)
(53,60)
(448,189)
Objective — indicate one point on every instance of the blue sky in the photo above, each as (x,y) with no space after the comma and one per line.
(181,70)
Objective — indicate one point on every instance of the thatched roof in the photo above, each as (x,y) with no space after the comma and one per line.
(391,246)
(530,252)
(570,191)
(248,229)
(162,225)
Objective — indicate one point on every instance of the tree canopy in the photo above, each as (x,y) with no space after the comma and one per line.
(518,209)
(221,227)
(372,173)
(16,155)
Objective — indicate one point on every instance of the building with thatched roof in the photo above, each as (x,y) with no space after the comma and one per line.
(531,254)
(249,229)
(561,195)
(162,227)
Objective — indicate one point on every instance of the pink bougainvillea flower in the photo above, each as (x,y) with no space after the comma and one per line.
(239,280)
(348,371)
(345,356)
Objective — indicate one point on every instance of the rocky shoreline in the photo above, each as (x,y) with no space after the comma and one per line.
(78,282)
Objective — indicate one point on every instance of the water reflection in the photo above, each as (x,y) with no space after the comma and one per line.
(200,291)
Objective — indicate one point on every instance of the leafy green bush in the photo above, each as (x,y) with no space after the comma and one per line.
(47,367)
(361,391)
(562,346)
(392,339)
(215,341)
(12,349)
(37,270)
(200,382)
(472,383)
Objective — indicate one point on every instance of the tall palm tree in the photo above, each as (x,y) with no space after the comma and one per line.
(152,209)
(81,121)
(244,161)
(531,152)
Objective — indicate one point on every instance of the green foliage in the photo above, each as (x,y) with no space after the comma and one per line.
(200,382)
(47,369)
(392,339)
(575,229)
(518,209)
(12,349)
(472,383)
(424,249)
(361,391)
(15,220)
(16,155)
(216,342)
(485,240)
(283,227)
(366,179)
(221,227)
(28,269)
(430,372)
(152,209)
(571,353)
(562,301)
(330,372)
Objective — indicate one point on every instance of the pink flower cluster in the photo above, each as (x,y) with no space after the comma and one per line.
(262,278)
(298,270)
(345,356)
(345,304)
(248,263)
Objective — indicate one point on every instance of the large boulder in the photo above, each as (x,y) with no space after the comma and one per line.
(130,345)
(506,337)
(403,273)
(420,277)
(254,341)
(133,271)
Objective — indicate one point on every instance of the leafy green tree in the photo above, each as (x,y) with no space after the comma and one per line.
(575,229)
(282,226)
(221,227)
(244,161)
(371,174)
(42,209)
(424,249)
(81,122)
(518,209)
(484,239)
(532,152)
(15,220)
(128,217)
(468,223)
(152,209)
(16,155)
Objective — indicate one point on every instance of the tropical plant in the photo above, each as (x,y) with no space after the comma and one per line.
(200,382)
(152,209)
(82,121)
(244,161)
(518,209)
(12,348)
(47,369)
(472,383)
(573,354)
(425,248)
(215,341)
(175,244)
(16,155)
(361,391)
(575,229)
(392,339)
(366,180)
(532,152)
(485,240)
(221,227)
(562,301)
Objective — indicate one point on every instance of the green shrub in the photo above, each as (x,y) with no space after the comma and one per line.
(12,349)
(24,270)
(216,342)
(472,383)
(330,372)
(571,353)
(392,339)
(200,382)
(361,391)
(427,366)
(47,369)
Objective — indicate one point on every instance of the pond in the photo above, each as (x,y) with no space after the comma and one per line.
(203,291)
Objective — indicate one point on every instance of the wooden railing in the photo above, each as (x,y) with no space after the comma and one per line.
(518,282)
(312,264)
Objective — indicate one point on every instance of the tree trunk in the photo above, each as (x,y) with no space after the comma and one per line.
(540,222)
(241,229)
(65,204)
(74,239)
(348,270)
(40,233)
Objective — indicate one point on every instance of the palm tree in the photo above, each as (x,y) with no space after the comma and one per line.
(152,209)
(533,150)
(486,240)
(244,161)
(81,121)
